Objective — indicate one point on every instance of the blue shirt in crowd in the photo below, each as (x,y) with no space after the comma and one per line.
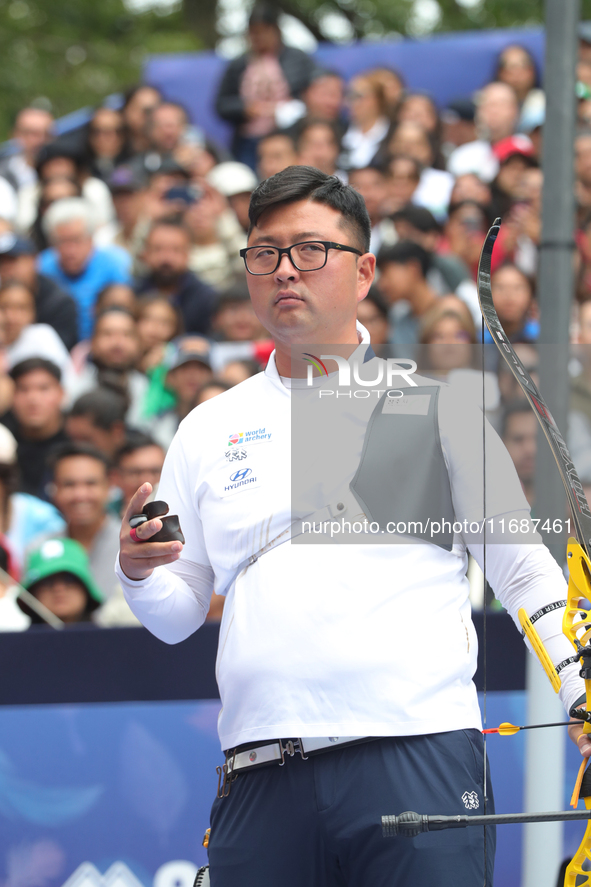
(107,265)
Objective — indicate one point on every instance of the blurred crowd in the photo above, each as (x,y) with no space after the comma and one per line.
(123,297)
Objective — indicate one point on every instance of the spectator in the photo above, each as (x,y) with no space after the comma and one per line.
(127,192)
(371,183)
(256,83)
(393,86)
(369,121)
(516,155)
(139,101)
(114,352)
(36,421)
(323,99)
(22,337)
(80,490)
(237,371)
(58,575)
(517,68)
(513,294)
(275,151)
(465,231)
(211,389)
(234,319)
(114,294)
(519,435)
(53,305)
(497,115)
(188,367)
(105,142)
(157,323)
(138,459)
(418,107)
(583,169)
(75,263)
(470,187)
(217,239)
(59,160)
(402,180)
(166,125)
(236,182)
(372,313)
(403,279)
(98,418)
(435,185)
(318,144)
(458,125)
(22,516)
(166,255)
(32,129)
(57,188)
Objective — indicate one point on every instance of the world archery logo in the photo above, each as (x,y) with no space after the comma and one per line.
(236,438)
(316,362)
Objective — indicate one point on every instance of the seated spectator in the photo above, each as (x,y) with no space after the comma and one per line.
(32,130)
(470,187)
(166,255)
(36,421)
(105,145)
(59,576)
(53,305)
(62,161)
(166,124)
(22,337)
(372,313)
(514,298)
(138,459)
(233,318)
(139,101)
(22,516)
(236,182)
(458,126)
(119,294)
(393,86)
(75,263)
(403,175)
(157,323)
(323,99)
(403,279)
(80,490)
(515,155)
(114,352)
(369,124)
(237,371)
(188,367)
(127,192)
(418,107)
(51,190)
(275,152)
(371,183)
(318,144)
(517,68)
(465,231)
(98,418)
(435,185)
(217,239)
(497,115)
(519,434)
(257,82)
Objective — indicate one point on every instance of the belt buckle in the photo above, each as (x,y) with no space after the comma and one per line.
(225,784)
(292,746)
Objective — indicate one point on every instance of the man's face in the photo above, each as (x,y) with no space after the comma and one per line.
(237,322)
(64,595)
(498,111)
(74,246)
(187,379)
(138,467)
(115,342)
(317,147)
(81,490)
(371,184)
(82,429)
(168,125)
(37,401)
(397,280)
(520,440)
(167,254)
(21,268)
(275,154)
(324,98)
(33,129)
(311,306)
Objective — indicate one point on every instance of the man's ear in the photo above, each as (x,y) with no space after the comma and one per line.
(366,271)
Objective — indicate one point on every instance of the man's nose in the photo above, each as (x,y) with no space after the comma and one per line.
(286,270)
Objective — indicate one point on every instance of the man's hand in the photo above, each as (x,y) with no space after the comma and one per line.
(582,740)
(138,559)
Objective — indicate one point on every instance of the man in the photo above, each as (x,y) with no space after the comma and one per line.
(80,490)
(139,457)
(275,152)
(58,575)
(166,255)
(188,365)
(318,144)
(36,420)
(98,418)
(32,129)
(74,262)
(316,640)
(404,284)
(519,434)
(53,305)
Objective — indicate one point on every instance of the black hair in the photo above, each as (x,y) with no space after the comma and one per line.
(103,406)
(169,223)
(113,309)
(307,123)
(70,449)
(58,149)
(525,50)
(514,408)
(264,14)
(135,440)
(418,216)
(131,92)
(13,282)
(279,134)
(308,183)
(35,363)
(395,157)
(230,296)
(406,251)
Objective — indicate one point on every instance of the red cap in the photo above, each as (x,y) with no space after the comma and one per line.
(519,145)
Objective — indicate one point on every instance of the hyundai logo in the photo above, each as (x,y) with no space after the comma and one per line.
(240,475)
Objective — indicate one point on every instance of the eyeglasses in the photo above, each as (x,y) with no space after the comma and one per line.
(309,255)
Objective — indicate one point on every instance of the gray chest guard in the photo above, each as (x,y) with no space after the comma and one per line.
(402,475)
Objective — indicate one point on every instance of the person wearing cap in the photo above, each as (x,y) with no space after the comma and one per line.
(236,182)
(515,154)
(217,238)
(457,125)
(187,361)
(58,575)
(53,305)
(256,83)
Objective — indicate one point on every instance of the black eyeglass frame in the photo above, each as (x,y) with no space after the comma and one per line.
(286,250)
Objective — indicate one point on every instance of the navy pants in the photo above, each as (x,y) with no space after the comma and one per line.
(317,823)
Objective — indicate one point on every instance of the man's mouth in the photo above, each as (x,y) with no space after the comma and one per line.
(287,297)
